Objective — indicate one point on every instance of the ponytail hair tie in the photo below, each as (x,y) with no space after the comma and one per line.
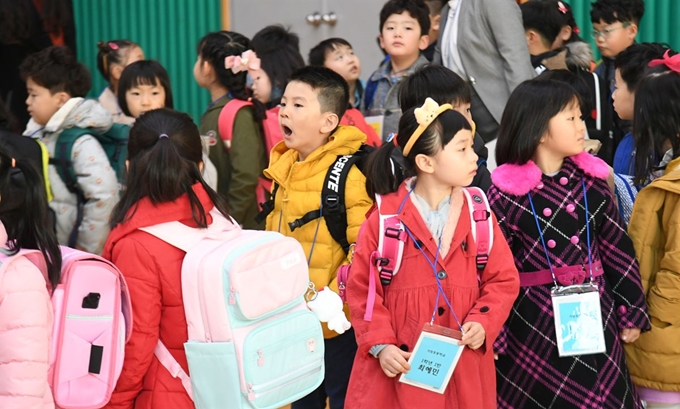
(113,45)
(163,135)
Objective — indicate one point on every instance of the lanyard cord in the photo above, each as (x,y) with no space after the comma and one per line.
(545,248)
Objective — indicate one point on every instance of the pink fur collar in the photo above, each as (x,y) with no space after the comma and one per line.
(521,179)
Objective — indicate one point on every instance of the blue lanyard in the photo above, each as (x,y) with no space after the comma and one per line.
(545,248)
(433,264)
(212,104)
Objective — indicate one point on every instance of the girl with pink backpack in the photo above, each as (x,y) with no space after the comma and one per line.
(26,314)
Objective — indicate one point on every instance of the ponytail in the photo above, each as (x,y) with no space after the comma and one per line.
(24,213)
(378,180)
(164,153)
(111,53)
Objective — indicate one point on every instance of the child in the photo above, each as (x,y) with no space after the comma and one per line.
(435,7)
(575,236)
(57,84)
(164,185)
(25,308)
(238,168)
(438,152)
(279,54)
(654,358)
(631,65)
(404,25)
(615,26)
(145,86)
(553,45)
(311,107)
(338,55)
(112,58)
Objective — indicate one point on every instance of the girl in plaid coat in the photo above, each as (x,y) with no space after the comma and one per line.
(543,193)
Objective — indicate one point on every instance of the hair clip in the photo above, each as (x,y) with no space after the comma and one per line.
(673,63)
(113,45)
(562,8)
(163,135)
(424,116)
(246,61)
(576,30)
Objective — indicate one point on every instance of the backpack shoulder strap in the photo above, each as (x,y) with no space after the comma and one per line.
(391,240)
(268,206)
(481,222)
(333,207)
(225,122)
(63,151)
(369,93)
(170,363)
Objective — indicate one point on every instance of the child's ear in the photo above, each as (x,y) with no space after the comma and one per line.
(330,122)
(424,163)
(424,42)
(207,69)
(62,98)
(434,22)
(381,41)
(116,72)
(565,33)
(632,31)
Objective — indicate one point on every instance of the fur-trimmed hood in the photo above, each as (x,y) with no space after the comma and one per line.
(521,179)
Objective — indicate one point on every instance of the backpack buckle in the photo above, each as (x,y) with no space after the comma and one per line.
(382,262)
(481,215)
(481,261)
(386,276)
(332,202)
(394,233)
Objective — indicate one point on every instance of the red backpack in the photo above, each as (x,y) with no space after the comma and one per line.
(270,128)
(393,236)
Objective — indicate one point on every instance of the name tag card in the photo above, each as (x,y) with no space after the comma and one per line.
(578,320)
(434,358)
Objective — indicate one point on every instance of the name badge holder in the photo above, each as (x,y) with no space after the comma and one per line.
(438,349)
(576,308)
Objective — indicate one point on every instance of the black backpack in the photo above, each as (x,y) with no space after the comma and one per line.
(333,208)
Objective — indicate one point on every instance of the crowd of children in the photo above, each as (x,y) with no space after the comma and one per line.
(371,179)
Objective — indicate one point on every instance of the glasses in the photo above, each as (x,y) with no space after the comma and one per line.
(607,31)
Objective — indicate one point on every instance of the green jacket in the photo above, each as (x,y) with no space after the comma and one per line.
(239,169)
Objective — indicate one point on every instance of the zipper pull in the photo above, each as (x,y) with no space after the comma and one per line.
(260,359)
(232,298)
(251,394)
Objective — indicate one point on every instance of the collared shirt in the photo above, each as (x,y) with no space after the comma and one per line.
(450,55)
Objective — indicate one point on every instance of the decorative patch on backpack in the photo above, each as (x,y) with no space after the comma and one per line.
(477,199)
(311,345)
(211,138)
(290,261)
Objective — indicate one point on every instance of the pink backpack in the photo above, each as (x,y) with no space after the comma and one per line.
(270,127)
(92,323)
(253,343)
(393,236)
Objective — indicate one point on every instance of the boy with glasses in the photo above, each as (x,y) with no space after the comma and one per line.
(615,26)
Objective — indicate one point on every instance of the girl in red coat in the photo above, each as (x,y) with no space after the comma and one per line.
(164,184)
(438,279)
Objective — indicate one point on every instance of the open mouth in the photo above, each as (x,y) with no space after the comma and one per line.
(286,130)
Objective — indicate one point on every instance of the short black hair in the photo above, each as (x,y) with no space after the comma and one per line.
(331,89)
(611,11)
(434,81)
(279,52)
(57,69)
(527,116)
(317,55)
(541,17)
(435,6)
(633,62)
(145,72)
(416,8)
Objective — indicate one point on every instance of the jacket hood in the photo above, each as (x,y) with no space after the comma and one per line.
(344,141)
(76,112)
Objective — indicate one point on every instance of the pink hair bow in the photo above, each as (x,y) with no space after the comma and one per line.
(246,61)
(673,63)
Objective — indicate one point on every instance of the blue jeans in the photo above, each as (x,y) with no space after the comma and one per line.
(339,358)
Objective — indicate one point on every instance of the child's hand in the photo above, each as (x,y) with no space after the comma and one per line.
(474,335)
(629,335)
(393,361)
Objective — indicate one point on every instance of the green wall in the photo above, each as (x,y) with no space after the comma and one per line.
(659,23)
(167,30)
